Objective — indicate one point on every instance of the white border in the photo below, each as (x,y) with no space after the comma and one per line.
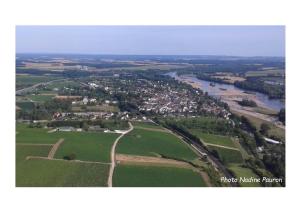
(140,12)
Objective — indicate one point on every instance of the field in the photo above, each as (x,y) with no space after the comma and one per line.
(51,173)
(48,172)
(266,72)
(276,131)
(147,143)
(244,172)
(228,155)
(40,97)
(86,146)
(146,125)
(27,106)
(23,81)
(23,151)
(214,139)
(35,135)
(150,176)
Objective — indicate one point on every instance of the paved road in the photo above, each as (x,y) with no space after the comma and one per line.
(113,158)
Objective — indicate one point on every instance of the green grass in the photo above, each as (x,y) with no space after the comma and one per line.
(244,172)
(146,125)
(228,155)
(23,151)
(267,72)
(35,135)
(23,81)
(40,97)
(51,173)
(26,105)
(86,146)
(214,139)
(150,143)
(148,176)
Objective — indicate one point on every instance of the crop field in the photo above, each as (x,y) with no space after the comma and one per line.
(244,172)
(23,151)
(40,97)
(266,72)
(35,135)
(146,125)
(228,155)
(152,176)
(51,173)
(23,81)
(26,105)
(63,84)
(214,139)
(146,143)
(86,146)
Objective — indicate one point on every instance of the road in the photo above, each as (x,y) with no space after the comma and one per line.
(24,90)
(112,155)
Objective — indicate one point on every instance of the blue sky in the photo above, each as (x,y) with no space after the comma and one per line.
(153,40)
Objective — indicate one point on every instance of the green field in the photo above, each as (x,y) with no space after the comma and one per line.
(86,146)
(146,125)
(214,139)
(149,176)
(51,173)
(23,151)
(228,155)
(23,81)
(244,172)
(267,72)
(26,105)
(149,143)
(35,135)
(62,84)
(40,97)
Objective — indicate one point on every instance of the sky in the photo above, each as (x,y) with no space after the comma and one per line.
(153,40)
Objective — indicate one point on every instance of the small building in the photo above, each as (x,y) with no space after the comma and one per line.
(65,129)
(85,100)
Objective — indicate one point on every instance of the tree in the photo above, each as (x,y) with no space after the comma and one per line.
(264,128)
(85,126)
(281,115)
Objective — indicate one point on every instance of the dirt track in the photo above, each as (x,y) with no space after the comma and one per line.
(151,129)
(31,144)
(54,148)
(112,155)
(225,147)
(136,159)
(74,161)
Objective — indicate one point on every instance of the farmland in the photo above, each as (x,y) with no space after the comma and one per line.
(214,139)
(86,146)
(23,81)
(145,176)
(240,171)
(51,173)
(146,143)
(228,155)
(40,97)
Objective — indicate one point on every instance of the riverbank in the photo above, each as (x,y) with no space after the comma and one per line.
(265,111)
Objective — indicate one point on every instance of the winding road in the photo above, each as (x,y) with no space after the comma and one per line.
(112,155)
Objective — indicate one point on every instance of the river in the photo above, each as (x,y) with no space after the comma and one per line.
(220,90)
